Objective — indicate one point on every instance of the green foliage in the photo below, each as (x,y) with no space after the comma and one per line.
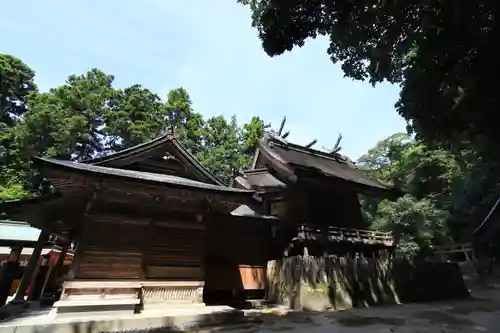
(87,117)
(135,115)
(13,193)
(187,123)
(17,83)
(441,54)
(428,176)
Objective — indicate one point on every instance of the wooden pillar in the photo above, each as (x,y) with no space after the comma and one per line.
(30,268)
(83,235)
(52,282)
(60,260)
(8,272)
(146,252)
(81,245)
(38,281)
(15,253)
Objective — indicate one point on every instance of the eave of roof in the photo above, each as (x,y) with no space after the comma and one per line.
(155,178)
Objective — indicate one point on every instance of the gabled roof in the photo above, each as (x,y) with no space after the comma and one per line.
(167,143)
(288,158)
(172,181)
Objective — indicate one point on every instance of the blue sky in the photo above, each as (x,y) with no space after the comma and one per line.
(208,47)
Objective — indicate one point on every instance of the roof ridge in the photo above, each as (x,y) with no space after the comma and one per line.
(169,136)
(329,156)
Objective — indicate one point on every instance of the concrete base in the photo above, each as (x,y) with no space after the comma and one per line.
(165,307)
(96,322)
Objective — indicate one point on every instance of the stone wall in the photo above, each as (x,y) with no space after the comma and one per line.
(319,283)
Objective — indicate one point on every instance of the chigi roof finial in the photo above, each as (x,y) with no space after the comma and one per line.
(170,130)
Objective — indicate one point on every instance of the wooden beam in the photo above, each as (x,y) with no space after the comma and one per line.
(282,126)
(312,143)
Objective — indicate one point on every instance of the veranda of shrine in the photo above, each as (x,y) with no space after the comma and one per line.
(154,229)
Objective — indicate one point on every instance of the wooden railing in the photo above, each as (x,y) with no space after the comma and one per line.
(350,235)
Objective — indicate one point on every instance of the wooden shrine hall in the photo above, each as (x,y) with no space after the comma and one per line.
(315,197)
(151,226)
(155,229)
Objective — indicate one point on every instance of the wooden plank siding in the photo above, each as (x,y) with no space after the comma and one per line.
(121,249)
(237,251)
(175,253)
(227,254)
(113,249)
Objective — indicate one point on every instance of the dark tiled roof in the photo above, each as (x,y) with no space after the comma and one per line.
(138,175)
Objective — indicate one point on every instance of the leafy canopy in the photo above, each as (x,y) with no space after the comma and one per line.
(442,54)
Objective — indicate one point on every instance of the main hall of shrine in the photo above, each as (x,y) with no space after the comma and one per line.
(153,228)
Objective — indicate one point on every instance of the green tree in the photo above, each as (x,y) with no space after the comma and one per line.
(416,224)
(88,117)
(187,123)
(442,55)
(250,134)
(16,84)
(430,178)
(221,147)
(135,115)
(83,118)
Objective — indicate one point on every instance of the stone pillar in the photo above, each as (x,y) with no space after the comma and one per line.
(39,279)
(8,272)
(30,268)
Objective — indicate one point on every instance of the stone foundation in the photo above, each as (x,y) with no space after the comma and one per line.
(319,283)
(128,296)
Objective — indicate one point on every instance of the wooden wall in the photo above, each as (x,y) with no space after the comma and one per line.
(225,252)
(174,253)
(237,251)
(117,248)
(113,250)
